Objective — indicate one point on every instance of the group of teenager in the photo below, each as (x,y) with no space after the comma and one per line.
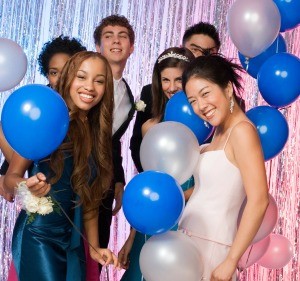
(85,174)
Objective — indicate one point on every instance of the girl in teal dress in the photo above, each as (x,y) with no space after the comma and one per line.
(166,81)
(77,175)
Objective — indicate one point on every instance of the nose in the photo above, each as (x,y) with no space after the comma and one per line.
(89,85)
(116,39)
(201,105)
(174,87)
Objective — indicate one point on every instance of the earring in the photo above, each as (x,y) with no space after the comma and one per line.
(206,124)
(231,105)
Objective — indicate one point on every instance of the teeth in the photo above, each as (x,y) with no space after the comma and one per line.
(86,96)
(116,50)
(210,113)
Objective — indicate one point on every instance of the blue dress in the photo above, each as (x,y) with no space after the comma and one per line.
(133,273)
(49,248)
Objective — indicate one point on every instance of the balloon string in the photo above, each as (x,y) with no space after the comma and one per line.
(35,170)
(142,278)
(249,255)
(247,63)
(72,223)
(270,171)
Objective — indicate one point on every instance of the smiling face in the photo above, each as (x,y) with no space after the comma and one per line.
(171,78)
(56,64)
(115,44)
(209,101)
(88,86)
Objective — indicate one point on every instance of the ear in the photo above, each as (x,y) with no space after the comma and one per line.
(131,49)
(229,90)
(98,48)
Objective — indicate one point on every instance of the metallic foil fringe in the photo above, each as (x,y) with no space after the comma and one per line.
(158,25)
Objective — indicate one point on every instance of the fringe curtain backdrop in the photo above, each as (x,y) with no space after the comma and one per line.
(158,25)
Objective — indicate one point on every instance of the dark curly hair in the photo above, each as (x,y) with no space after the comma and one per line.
(204,28)
(61,44)
(113,20)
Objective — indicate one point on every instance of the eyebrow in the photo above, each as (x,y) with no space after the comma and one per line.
(201,48)
(194,45)
(86,73)
(111,32)
(200,91)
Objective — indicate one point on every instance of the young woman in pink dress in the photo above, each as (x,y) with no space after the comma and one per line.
(229,169)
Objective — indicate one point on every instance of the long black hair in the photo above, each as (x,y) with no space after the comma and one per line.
(217,69)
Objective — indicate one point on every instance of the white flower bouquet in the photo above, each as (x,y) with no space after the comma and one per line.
(32,204)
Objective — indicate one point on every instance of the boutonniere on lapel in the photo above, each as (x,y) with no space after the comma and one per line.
(140,105)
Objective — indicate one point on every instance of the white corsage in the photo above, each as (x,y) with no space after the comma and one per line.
(140,105)
(32,204)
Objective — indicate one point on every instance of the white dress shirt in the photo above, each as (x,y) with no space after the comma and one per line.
(122,104)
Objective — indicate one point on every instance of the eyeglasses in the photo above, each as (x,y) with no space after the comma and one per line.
(199,51)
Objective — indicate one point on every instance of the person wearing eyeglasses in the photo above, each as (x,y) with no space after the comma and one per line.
(201,39)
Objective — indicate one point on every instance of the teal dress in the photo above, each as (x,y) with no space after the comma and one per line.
(133,273)
(49,248)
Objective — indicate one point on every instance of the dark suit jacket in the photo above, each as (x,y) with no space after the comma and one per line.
(105,210)
(141,118)
(116,143)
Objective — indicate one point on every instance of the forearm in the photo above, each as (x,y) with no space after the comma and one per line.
(91,229)
(131,234)
(5,147)
(188,193)
(10,182)
(251,220)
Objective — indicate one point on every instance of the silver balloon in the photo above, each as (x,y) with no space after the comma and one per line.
(171,256)
(253,25)
(13,64)
(170,147)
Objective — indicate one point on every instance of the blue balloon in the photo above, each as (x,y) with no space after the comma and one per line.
(178,109)
(289,12)
(153,202)
(254,64)
(278,79)
(35,121)
(272,129)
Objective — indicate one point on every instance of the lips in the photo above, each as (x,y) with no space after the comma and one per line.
(86,97)
(210,113)
(116,50)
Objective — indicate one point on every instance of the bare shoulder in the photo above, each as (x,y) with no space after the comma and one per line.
(244,135)
(148,125)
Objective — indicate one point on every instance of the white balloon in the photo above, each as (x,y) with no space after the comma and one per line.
(253,25)
(172,148)
(171,256)
(13,64)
